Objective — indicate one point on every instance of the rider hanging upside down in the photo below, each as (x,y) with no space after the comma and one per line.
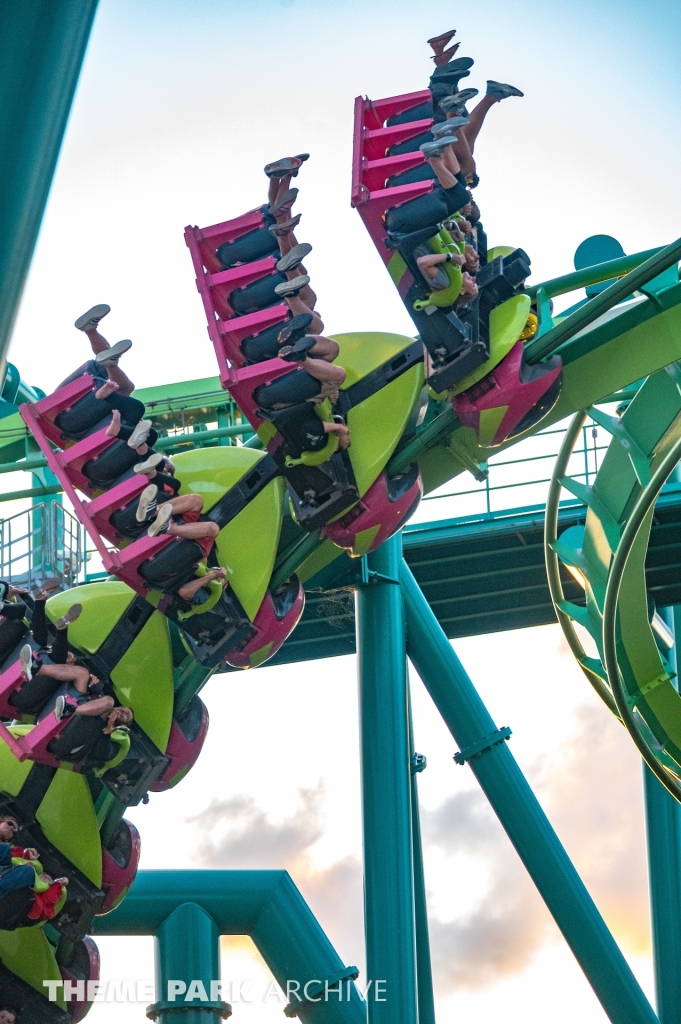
(448,101)
(86,737)
(13,612)
(428,263)
(181,517)
(111,398)
(299,392)
(299,296)
(28,896)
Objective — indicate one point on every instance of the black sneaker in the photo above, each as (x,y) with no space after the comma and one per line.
(501,90)
(460,66)
(295,328)
(299,352)
(71,615)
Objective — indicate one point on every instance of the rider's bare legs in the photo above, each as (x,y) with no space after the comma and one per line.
(98,344)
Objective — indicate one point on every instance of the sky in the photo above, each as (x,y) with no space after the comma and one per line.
(179,106)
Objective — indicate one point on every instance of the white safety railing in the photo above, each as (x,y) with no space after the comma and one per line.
(42,541)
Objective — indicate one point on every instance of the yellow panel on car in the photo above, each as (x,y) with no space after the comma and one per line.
(27,953)
(13,773)
(67,817)
(143,680)
(211,472)
(361,353)
(377,424)
(247,546)
(103,605)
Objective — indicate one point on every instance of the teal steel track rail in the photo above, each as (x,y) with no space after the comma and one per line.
(595,274)
(600,304)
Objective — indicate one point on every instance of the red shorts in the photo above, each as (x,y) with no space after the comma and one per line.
(205,543)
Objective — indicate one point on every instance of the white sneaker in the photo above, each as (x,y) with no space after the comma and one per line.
(59,707)
(449,126)
(26,659)
(430,149)
(139,434)
(162,520)
(89,321)
(153,460)
(113,354)
(294,257)
(147,503)
(288,288)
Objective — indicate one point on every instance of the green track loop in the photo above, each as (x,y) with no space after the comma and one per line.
(553,563)
(631,676)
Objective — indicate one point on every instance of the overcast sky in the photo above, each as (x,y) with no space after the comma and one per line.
(180,104)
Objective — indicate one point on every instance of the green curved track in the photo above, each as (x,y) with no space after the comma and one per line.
(631,673)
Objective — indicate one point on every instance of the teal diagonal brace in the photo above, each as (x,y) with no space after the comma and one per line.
(571,556)
(521,815)
(587,494)
(577,612)
(639,460)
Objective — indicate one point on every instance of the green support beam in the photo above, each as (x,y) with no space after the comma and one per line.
(483,748)
(424,970)
(263,904)
(42,44)
(592,275)
(386,796)
(663,828)
(549,342)
(187,957)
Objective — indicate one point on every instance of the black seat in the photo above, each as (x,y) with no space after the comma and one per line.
(259,347)
(418,113)
(173,565)
(84,414)
(258,295)
(113,462)
(254,245)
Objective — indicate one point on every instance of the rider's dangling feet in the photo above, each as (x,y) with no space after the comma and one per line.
(501,91)
(445,56)
(282,228)
(89,321)
(294,257)
(438,43)
(114,352)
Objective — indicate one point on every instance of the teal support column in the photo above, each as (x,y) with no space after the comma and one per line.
(663,827)
(483,748)
(386,807)
(42,43)
(187,953)
(263,904)
(424,971)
